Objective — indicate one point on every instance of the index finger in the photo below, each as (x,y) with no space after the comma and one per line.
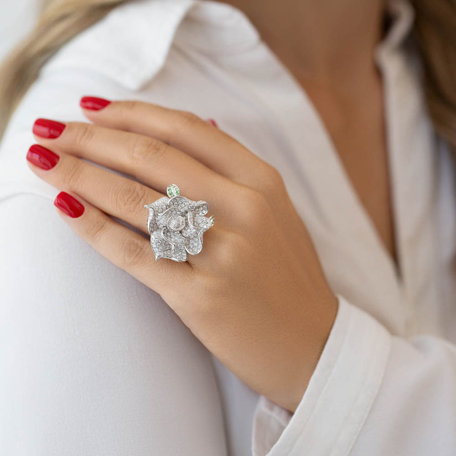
(182,130)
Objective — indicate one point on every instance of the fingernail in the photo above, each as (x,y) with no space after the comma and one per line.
(212,122)
(69,205)
(93,103)
(42,157)
(46,128)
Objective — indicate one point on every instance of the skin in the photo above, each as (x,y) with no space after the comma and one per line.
(267,321)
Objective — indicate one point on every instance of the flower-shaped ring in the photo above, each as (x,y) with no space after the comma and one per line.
(176,225)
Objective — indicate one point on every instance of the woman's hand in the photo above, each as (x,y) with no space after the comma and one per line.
(256,295)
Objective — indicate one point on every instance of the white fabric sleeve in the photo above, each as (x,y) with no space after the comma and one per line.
(371,394)
(91,360)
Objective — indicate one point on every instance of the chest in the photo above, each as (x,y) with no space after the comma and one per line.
(357,129)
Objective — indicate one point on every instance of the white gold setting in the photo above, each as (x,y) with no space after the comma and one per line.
(176,225)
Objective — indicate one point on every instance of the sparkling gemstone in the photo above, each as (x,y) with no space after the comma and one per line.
(172,190)
(176,223)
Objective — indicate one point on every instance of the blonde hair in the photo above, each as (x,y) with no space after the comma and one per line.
(61,20)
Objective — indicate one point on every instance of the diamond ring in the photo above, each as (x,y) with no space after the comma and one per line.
(176,225)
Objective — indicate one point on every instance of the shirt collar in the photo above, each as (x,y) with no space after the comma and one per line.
(402,16)
(131,43)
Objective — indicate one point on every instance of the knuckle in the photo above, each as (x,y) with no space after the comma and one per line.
(127,197)
(83,134)
(144,149)
(126,111)
(188,119)
(132,252)
(253,207)
(73,174)
(95,230)
(272,180)
(129,106)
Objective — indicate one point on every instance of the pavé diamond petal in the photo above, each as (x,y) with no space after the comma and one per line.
(176,225)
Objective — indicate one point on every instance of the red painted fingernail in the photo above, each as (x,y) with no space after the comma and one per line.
(42,157)
(47,128)
(69,205)
(93,103)
(212,122)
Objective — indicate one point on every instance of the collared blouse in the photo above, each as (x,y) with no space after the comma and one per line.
(93,362)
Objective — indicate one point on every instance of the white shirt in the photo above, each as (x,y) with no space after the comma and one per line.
(93,362)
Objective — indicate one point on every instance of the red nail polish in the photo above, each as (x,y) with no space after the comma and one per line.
(212,122)
(68,205)
(47,128)
(93,103)
(42,157)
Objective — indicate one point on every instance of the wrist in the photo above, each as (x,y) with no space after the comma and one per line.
(320,329)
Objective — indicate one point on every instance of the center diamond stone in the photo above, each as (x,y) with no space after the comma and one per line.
(176,223)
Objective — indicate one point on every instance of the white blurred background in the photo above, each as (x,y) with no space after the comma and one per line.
(16,19)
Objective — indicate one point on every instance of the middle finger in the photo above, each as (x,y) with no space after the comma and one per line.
(149,160)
